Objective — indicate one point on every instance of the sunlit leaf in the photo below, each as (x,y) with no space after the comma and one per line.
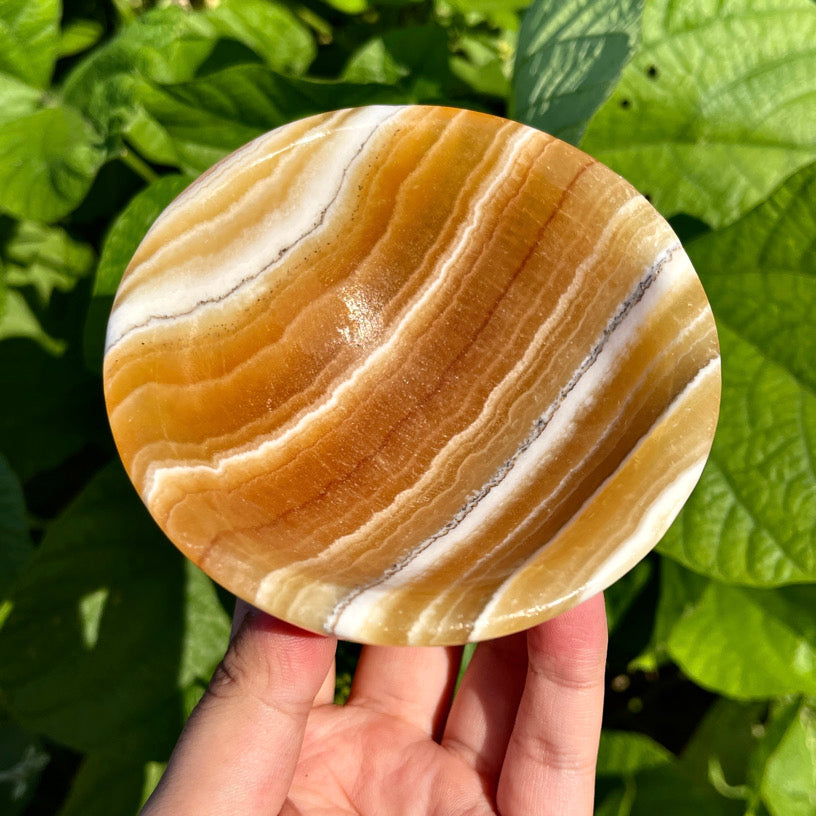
(130,227)
(17,98)
(124,688)
(48,160)
(28,38)
(752,518)
(79,36)
(748,643)
(716,108)
(212,116)
(568,59)
(789,782)
(269,29)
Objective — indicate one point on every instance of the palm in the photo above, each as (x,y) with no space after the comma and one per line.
(346,750)
(403,744)
(520,736)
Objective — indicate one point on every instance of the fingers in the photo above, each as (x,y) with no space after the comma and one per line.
(414,684)
(238,751)
(549,767)
(326,693)
(484,709)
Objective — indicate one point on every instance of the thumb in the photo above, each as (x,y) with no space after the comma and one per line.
(238,751)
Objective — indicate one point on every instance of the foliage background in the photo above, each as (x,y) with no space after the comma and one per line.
(108,109)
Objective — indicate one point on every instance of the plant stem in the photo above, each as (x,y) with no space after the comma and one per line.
(138,165)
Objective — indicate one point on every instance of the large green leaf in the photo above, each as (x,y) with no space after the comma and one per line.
(717,107)
(28,38)
(789,783)
(720,748)
(213,115)
(418,55)
(269,29)
(51,408)
(48,160)
(130,227)
(747,643)
(668,790)
(122,240)
(15,545)
(752,519)
(109,624)
(568,59)
(108,784)
(164,45)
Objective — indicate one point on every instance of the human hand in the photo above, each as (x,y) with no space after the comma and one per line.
(520,736)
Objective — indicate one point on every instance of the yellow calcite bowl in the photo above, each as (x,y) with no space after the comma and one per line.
(412,375)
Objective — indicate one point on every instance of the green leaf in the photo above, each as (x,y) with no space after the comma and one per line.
(35,261)
(270,30)
(206,628)
(18,319)
(97,649)
(48,161)
(130,226)
(150,139)
(752,518)
(79,36)
(213,115)
(165,45)
(51,408)
(373,63)
(349,6)
(568,59)
(28,39)
(417,53)
(717,106)
(17,99)
(623,753)
(720,748)
(45,258)
(748,643)
(678,589)
(15,545)
(482,63)
(670,791)
(789,782)
(109,785)
(622,594)
(502,14)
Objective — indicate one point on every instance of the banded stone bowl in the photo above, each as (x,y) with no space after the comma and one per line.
(412,375)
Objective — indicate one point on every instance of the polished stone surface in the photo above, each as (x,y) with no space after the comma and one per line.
(412,375)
